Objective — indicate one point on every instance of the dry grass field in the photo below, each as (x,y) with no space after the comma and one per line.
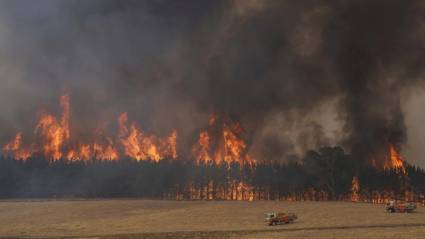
(202,219)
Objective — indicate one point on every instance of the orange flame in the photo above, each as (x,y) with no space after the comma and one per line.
(170,145)
(107,152)
(229,146)
(64,103)
(395,161)
(355,189)
(54,134)
(14,148)
(233,147)
(201,151)
(82,152)
(139,146)
(55,141)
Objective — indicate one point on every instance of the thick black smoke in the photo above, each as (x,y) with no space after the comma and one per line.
(274,66)
(378,51)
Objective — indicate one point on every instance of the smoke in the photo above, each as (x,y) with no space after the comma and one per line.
(378,52)
(296,74)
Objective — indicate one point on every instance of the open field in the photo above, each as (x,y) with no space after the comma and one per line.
(202,219)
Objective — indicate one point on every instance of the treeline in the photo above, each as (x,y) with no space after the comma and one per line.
(326,174)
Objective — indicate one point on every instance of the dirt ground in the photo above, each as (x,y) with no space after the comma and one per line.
(202,219)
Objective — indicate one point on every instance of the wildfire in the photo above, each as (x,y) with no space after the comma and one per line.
(105,151)
(15,149)
(55,141)
(394,161)
(222,142)
(201,151)
(141,146)
(355,189)
(227,147)
(54,133)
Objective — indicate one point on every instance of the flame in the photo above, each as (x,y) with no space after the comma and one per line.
(233,147)
(355,189)
(228,147)
(56,141)
(54,133)
(201,151)
(82,152)
(140,146)
(64,103)
(14,148)
(212,119)
(95,150)
(170,145)
(395,161)
(107,152)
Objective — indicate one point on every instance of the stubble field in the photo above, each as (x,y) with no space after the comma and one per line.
(202,219)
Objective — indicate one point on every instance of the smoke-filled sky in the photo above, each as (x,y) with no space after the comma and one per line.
(297,74)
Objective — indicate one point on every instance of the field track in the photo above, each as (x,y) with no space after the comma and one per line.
(223,234)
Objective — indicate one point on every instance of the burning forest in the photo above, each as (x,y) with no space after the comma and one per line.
(54,142)
(219,166)
(226,100)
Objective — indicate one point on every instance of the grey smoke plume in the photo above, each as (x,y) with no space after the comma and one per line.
(275,66)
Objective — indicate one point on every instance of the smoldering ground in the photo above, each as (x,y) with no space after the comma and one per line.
(297,75)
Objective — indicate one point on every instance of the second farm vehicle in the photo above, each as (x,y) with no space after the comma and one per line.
(274,218)
(407,207)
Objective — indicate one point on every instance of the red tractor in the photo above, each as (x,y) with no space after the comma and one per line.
(274,218)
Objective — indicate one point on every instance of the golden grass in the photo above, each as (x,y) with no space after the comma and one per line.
(232,219)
